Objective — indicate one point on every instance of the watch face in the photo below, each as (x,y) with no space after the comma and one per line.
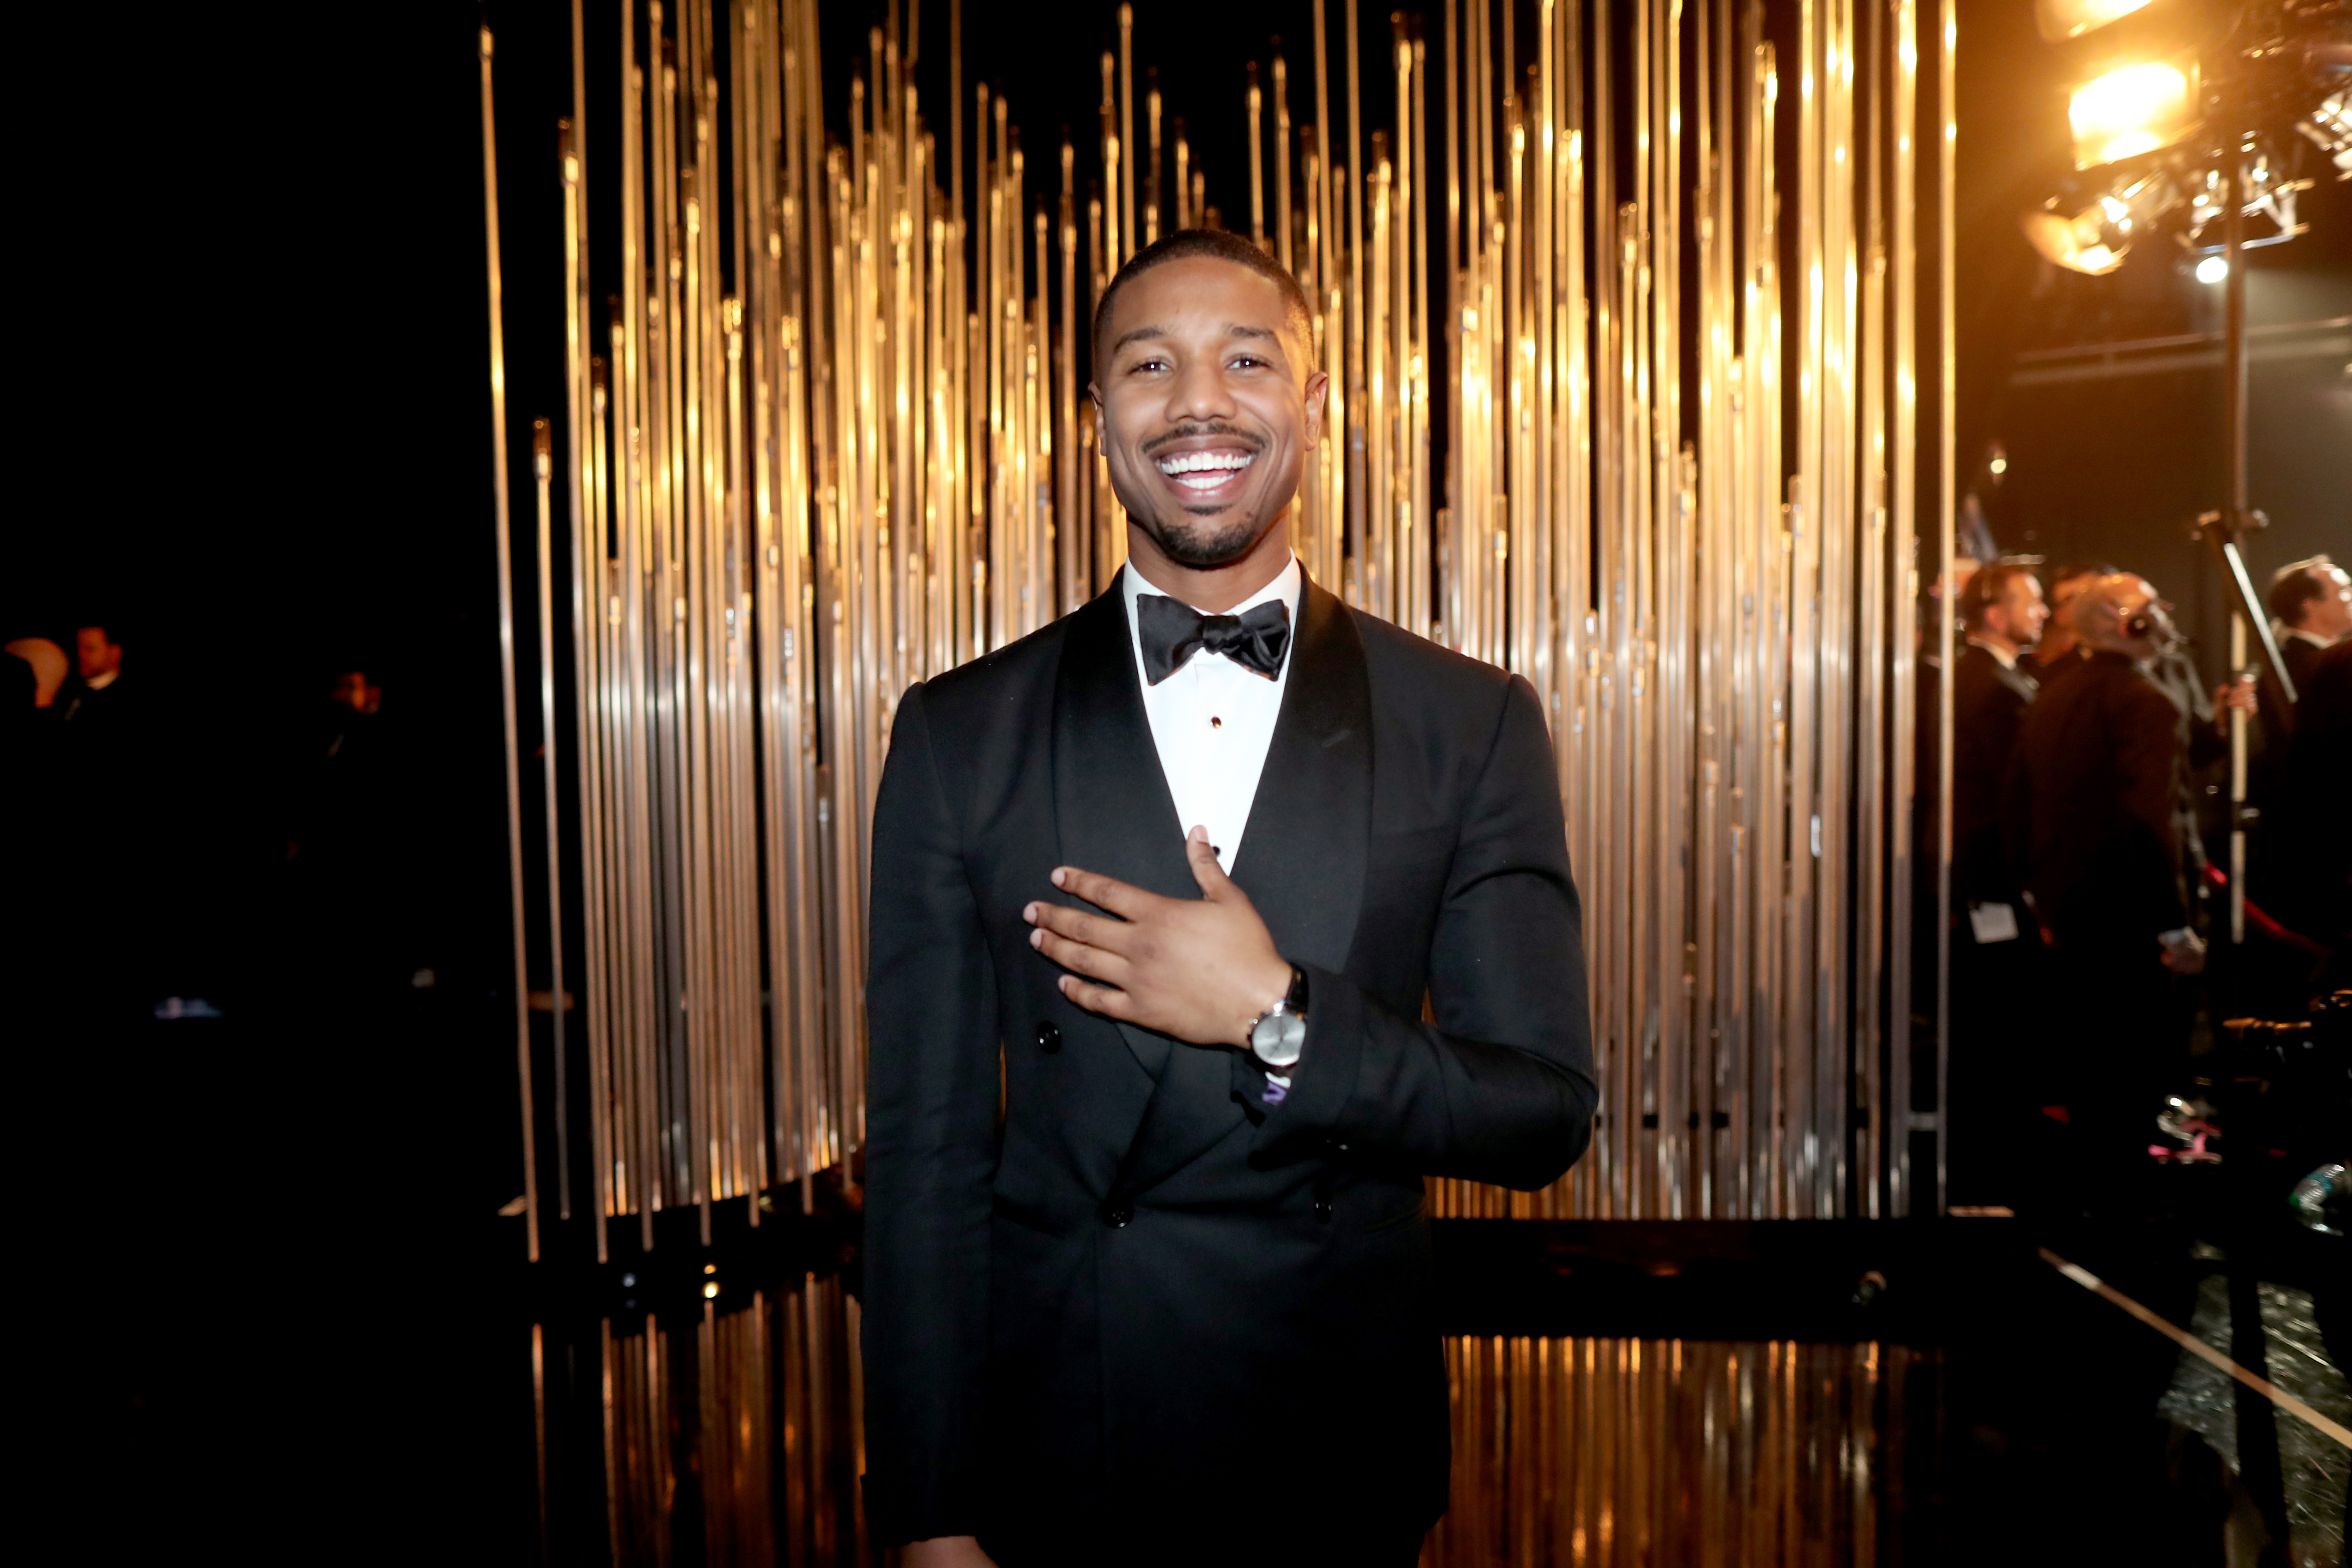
(1278,1038)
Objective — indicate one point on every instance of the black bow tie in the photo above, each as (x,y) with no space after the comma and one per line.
(1173,632)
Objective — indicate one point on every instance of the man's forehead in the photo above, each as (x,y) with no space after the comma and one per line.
(1197,292)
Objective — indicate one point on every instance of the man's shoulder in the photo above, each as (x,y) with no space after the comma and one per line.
(1402,664)
(984,686)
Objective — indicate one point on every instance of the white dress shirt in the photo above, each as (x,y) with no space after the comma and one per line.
(1212,721)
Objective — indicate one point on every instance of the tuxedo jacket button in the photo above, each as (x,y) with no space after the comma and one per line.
(1118,1216)
(1323,1211)
(1049,1038)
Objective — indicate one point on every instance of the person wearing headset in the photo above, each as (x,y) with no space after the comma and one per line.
(2093,817)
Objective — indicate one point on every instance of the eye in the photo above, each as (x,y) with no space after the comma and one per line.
(1248,362)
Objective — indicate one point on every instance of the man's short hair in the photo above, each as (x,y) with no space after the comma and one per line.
(1986,588)
(2294,585)
(1189,242)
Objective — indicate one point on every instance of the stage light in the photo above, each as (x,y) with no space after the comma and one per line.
(2329,128)
(2062,19)
(2096,239)
(2136,109)
(2212,269)
(2083,243)
(2000,465)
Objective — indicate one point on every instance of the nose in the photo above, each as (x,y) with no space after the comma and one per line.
(1200,392)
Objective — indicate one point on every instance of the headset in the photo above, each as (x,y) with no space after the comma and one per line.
(2150,624)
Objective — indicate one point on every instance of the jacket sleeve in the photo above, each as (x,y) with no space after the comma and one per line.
(2148,785)
(930,1153)
(1500,1088)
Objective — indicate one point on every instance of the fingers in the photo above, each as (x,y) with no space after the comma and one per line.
(1202,857)
(1099,999)
(1104,892)
(1079,926)
(1078,957)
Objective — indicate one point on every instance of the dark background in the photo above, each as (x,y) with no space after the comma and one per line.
(254,435)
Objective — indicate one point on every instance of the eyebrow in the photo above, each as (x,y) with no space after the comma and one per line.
(1142,334)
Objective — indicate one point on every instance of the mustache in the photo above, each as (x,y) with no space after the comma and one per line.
(1194,431)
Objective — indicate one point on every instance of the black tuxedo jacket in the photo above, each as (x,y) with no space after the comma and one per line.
(1989,704)
(1110,1296)
(2091,807)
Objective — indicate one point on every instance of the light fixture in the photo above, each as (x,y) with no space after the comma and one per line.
(2083,243)
(2062,19)
(2329,128)
(2134,110)
(2212,269)
(2096,239)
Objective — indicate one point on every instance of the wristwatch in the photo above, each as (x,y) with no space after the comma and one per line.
(1280,1032)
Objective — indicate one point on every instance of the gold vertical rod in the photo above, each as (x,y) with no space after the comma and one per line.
(1948,546)
(1252,98)
(1902,312)
(542,466)
(1126,132)
(521,981)
(1155,216)
(1281,161)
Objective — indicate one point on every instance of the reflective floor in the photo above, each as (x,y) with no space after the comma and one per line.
(1943,1396)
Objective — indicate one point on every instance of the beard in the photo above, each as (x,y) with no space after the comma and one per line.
(1202,545)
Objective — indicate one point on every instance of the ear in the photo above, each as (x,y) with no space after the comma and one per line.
(1317,393)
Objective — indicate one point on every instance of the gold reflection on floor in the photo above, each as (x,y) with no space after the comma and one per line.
(1622,1452)
(734,1438)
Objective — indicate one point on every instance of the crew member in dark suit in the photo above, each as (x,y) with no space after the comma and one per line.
(2299,859)
(1206,922)
(2310,604)
(2091,807)
(1997,1073)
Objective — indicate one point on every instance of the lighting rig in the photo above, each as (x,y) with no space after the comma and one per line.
(2187,118)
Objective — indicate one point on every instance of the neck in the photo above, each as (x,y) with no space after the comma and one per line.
(1994,642)
(1212,590)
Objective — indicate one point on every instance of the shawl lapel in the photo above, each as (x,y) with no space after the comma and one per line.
(1302,862)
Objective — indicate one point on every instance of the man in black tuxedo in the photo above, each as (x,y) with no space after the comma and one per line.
(1146,1263)
(2093,810)
(1999,1067)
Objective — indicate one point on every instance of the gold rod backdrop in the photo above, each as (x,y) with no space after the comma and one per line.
(1640,421)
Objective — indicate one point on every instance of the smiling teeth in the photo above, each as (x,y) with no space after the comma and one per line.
(1206,462)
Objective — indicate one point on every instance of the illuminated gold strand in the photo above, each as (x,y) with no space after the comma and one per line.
(1532,573)
(1711,636)
(1449,517)
(1400,576)
(1376,576)
(1642,893)
(1902,485)
(543,474)
(1799,1171)
(1114,237)
(1833,1029)
(1042,387)
(1419,490)
(1282,156)
(629,413)
(1948,546)
(1252,101)
(1354,385)
(505,650)
(1184,213)
(1126,132)
(1575,587)
(1872,661)
(801,426)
